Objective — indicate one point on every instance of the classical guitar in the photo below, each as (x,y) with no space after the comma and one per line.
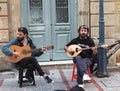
(77,50)
(25,51)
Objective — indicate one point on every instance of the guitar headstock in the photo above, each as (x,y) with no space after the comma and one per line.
(104,46)
(49,47)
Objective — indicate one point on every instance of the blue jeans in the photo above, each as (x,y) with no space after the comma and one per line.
(82,65)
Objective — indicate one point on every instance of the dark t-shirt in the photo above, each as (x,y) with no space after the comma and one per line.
(86,43)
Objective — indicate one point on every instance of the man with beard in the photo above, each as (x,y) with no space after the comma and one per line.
(82,60)
(23,40)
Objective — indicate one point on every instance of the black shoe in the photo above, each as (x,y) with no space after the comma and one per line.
(48,79)
(76,88)
(30,80)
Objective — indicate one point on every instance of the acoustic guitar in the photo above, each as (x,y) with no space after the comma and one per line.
(25,51)
(77,50)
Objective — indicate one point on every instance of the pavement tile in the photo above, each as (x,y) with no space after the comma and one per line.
(62,80)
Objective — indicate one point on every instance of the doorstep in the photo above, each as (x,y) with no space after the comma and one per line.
(57,64)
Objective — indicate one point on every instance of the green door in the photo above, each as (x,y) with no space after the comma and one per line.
(50,22)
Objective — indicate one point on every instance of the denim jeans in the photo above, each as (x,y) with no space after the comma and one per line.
(82,65)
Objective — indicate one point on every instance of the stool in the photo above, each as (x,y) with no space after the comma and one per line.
(21,75)
(74,74)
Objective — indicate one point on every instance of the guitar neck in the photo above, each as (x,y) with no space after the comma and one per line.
(102,46)
(39,49)
(86,48)
(33,50)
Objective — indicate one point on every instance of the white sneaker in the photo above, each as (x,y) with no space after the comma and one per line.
(81,85)
(86,77)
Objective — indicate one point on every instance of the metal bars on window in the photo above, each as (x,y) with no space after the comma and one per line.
(62,11)
(36,11)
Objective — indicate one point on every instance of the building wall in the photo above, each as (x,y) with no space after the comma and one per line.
(111,22)
(9,23)
(83,12)
(88,13)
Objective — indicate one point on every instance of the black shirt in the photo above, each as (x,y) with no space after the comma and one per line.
(86,43)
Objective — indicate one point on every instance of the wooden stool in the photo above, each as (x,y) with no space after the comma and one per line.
(74,74)
(21,75)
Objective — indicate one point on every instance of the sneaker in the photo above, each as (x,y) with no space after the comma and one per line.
(81,85)
(86,77)
(48,79)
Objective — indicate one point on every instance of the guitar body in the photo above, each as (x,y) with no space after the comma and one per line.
(77,49)
(19,49)
(25,51)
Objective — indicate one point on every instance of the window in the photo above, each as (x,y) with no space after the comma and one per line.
(62,11)
(36,11)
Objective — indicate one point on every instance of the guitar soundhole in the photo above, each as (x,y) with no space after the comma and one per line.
(76,50)
(15,51)
(72,53)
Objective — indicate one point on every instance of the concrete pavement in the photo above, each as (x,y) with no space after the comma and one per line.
(62,80)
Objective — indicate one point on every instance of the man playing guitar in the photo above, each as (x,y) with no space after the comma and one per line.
(23,40)
(82,59)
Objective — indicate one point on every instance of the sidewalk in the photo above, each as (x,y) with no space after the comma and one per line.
(62,80)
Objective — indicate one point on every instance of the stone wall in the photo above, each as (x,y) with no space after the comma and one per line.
(83,12)
(117,27)
(9,23)
(4,29)
(111,22)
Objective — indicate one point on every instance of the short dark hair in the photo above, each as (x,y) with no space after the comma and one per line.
(83,27)
(23,29)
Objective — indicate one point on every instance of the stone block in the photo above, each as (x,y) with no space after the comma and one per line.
(95,32)
(109,19)
(4,35)
(94,20)
(108,7)
(3,0)
(3,9)
(4,59)
(3,22)
(109,32)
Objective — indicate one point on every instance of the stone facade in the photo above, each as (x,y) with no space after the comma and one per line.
(111,22)
(9,23)
(88,13)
